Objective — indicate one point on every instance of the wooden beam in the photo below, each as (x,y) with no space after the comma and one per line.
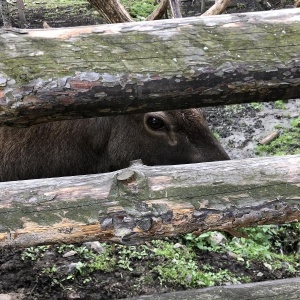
(266,290)
(54,74)
(141,203)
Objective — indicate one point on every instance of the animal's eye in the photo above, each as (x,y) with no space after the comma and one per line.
(155,123)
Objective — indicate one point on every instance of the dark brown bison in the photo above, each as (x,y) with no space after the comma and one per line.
(105,144)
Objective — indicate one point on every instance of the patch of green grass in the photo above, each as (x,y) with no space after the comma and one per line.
(259,245)
(53,4)
(256,105)
(287,143)
(88,262)
(256,246)
(264,243)
(179,267)
(126,254)
(178,264)
(139,9)
(279,104)
(185,272)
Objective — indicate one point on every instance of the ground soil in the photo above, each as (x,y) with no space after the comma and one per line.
(239,128)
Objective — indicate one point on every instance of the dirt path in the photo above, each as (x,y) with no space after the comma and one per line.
(241,127)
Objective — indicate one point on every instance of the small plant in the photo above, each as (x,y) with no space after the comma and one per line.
(240,5)
(216,135)
(259,245)
(33,253)
(130,253)
(81,267)
(103,262)
(203,241)
(64,247)
(279,104)
(256,105)
(50,270)
(124,263)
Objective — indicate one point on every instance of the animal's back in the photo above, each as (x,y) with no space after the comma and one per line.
(51,149)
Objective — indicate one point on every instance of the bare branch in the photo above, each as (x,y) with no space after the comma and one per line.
(159,12)
(217,8)
(111,10)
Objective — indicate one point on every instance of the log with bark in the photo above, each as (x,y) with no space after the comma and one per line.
(283,289)
(141,203)
(54,74)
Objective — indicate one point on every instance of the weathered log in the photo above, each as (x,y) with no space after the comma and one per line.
(53,74)
(141,203)
(282,289)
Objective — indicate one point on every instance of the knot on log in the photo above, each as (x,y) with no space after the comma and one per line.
(130,189)
(129,185)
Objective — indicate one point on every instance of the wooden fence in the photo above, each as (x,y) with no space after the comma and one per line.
(55,74)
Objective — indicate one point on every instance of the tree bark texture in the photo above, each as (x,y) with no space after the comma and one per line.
(5,14)
(21,13)
(282,289)
(54,74)
(111,10)
(175,8)
(142,203)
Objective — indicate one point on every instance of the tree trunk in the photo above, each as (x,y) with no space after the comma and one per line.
(175,8)
(21,13)
(141,203)
(54,74)
(4,10)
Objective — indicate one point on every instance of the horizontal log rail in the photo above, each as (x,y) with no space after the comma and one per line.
(265,290)
(141,203)
(54,74)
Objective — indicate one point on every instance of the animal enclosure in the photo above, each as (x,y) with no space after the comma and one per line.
(141,202)
(44,85)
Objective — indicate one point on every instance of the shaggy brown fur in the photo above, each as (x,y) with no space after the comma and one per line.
(105,144)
